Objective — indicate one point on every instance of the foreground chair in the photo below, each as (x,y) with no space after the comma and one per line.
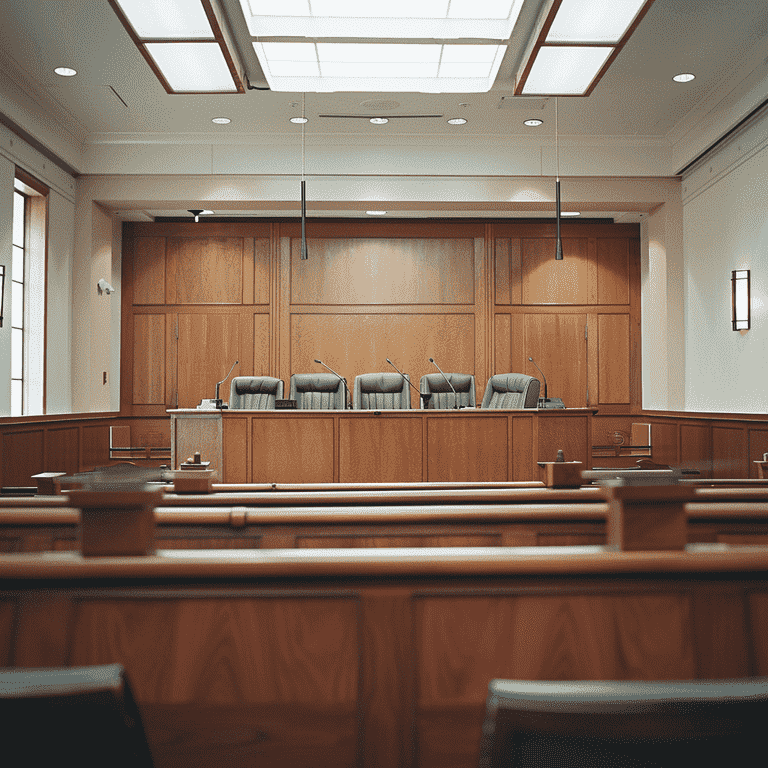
(82,716)
(255,393)
(511,390)
(381,391)
(701,723)
(442,395)
(317,391)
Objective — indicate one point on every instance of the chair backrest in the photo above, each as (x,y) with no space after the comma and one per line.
(442,396)
(255,393)
(84,716)
(317,391)
(623,724)
(381,391)
(511,390)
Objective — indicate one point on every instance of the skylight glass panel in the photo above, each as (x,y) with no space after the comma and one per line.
(590,22)
(565,69)
(193,67)
(384,53)
(294,68)
(456,54)
(483,9)
(167,18)
(436,19)
(290,51)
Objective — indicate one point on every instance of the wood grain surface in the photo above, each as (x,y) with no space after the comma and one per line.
(205,270)
(466,448)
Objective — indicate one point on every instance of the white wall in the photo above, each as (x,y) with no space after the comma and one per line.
(61,216)
(725,227)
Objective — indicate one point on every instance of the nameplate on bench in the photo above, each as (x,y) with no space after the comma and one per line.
(286,405)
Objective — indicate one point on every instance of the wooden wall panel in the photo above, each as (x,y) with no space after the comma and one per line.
(149,359)
(696,448)
(393,450)
(509,286)
(729,452)
(613,354)
(369,271)
(563,433)
(503,344)
(261,271)
(95,451)
(22,457)
(464,449)
(556,342)
(260,365)
(205,270)
(546,281)
(612,270)
(235,453)
(225,651)
(583,637)
(522,449)
(276,444)
(354,344)
(149,270)
(62,450)
(208,345)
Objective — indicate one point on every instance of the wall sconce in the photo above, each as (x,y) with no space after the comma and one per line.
(2,292)
(104,287)
(740,299)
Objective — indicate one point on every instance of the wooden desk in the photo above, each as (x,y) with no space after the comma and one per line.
(380,446)
(379,658)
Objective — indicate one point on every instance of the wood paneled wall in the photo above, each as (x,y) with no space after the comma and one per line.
(478,297)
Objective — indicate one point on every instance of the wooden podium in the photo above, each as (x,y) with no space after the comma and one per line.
(470,445)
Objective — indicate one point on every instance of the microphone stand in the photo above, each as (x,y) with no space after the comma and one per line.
(530,360)
(218,400)
(447,381)
(347,396)
(425,396)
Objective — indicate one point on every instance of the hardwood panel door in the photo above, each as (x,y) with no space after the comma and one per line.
(208,344)
(613,355)
(558,344)
(149,359)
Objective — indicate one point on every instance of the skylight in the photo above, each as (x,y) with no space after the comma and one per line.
(448,46)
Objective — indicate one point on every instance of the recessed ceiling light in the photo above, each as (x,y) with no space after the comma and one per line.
(456,121)
(533,123)
(299,120)
(221,120)
(65,71)
(379,120)
(570,213)
(376,213)
(684,77)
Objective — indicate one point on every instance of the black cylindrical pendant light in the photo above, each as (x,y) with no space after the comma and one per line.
(559,242)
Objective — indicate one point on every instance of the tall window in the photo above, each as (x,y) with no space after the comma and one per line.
(20,217)
(28,295)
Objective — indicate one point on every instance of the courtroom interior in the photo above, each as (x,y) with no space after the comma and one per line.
(301,362)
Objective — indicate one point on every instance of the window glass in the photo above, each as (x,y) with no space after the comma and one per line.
(17,305)
(16,353)
(16,397)
(18,219)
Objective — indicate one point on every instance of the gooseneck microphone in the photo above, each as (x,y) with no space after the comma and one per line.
(530,360)
(347,396)
(448,382)
(407,380)
(218,401)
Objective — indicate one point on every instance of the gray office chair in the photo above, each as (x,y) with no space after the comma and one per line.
(381,391)
(442,396)
(317,391)
(511,390)
(255,393)
(83,716)
(624,724)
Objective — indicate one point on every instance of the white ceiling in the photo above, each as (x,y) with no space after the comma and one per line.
(116,101)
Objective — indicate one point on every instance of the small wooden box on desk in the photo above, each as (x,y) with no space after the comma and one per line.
(647,517)
(117,523)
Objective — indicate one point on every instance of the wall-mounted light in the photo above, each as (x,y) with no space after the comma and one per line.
(740,312)
(2,292)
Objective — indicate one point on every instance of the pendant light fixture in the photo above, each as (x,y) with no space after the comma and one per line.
(196,213)
(558,244)
(303,256)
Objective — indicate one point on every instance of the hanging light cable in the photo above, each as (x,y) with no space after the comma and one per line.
(558,244)
(303,256)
